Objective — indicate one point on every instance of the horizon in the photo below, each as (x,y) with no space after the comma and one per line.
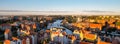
(60,7)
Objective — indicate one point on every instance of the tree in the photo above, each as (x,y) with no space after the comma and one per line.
(71,19)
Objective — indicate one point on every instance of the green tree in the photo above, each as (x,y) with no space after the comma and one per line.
(71,19)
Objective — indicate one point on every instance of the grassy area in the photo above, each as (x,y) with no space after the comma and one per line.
(118,23)
(1,42)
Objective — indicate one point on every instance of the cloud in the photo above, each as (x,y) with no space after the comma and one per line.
(90,12)
(11,11)
(98,11)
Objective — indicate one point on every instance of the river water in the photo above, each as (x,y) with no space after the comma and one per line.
(57,23)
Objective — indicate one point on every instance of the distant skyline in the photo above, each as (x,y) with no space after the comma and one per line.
(61,5)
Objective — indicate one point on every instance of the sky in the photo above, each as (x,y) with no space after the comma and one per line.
(61,5)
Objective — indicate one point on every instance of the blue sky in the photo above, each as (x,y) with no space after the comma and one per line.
(60,5)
